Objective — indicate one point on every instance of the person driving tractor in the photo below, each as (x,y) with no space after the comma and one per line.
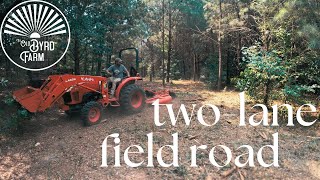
(117,74)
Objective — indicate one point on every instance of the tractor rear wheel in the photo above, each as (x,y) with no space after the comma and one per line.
(132,98)
(91,113)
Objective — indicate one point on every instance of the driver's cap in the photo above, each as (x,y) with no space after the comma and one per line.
(118,60)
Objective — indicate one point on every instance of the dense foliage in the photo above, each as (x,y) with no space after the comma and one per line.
(270,48)
(265,73)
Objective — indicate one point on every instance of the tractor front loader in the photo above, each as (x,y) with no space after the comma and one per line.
(88,95)
(85,94)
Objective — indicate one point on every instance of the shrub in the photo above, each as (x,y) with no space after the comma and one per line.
(12,116)
(264,74)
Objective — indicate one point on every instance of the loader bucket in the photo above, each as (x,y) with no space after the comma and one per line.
(30,98)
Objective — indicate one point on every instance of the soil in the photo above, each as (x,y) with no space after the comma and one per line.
(56,146)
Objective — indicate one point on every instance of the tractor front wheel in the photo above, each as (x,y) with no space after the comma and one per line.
(91,113)
(132,98)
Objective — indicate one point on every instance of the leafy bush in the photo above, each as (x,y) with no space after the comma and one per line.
(293,93)
(304,76)
(12,116)
(264,74)
(270,76)
(4,82)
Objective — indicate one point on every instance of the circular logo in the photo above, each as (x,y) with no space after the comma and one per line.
(35,35)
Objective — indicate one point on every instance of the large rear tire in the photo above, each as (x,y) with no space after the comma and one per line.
(91,113)
(132,98)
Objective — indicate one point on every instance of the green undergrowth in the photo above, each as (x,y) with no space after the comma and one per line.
(12,116)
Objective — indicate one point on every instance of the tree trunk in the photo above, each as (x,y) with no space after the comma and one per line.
(220,49)
(64,68)
(8,64)
(76,55)
(152,73)
(99,63)
(163,45)
(195,67)
(64,61)
(267,92)
(198,67)
(184,68)
(109,57)
(292,40)
(86,65)
(169,43)
(92,67)
(238,51)
(228,67)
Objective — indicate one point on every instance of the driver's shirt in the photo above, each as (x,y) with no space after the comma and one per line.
(117,71)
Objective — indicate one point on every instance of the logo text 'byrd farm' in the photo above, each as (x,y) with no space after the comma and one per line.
(35,46)
(35,35)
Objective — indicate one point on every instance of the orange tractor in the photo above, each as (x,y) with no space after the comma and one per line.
(88,95)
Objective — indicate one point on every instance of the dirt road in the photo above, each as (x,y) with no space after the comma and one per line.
(55,146)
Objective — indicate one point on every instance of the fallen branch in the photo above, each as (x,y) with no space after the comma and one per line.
(199,99)
(262,134)
(232,170)
(193,137)
(228,172)
(240,174)
(313,137)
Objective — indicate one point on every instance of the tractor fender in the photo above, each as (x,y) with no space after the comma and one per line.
(125,82)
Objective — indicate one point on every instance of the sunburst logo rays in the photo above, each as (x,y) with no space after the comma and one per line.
(35,21)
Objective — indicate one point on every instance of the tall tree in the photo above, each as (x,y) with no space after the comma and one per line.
(163,43)
(169,40)
(220,46)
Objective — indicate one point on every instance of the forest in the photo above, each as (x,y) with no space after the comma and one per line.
(261,46)
(206,52)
